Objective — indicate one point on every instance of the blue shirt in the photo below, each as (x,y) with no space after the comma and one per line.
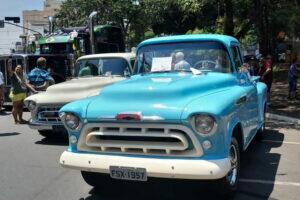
(38,77)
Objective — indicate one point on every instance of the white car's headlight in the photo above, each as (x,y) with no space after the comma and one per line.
(71,121)
(203,124)
(31,105)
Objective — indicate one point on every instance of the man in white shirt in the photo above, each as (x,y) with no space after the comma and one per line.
(1,91)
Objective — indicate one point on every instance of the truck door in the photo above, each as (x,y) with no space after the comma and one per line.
(248,100)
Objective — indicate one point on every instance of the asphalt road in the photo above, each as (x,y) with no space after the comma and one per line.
(29,170)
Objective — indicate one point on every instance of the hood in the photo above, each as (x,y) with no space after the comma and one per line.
(73,90)
(159,96)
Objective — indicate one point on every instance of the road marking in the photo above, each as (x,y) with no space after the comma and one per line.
(270,182)
(276,141)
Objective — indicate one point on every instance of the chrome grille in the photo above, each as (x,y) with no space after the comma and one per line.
(48,114)
(146,139)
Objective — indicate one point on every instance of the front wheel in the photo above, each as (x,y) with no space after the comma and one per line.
(229,183)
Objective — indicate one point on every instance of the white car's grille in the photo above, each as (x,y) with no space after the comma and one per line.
(145,139)
(48,114)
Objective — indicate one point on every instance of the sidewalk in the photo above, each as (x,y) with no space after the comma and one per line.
(279,104)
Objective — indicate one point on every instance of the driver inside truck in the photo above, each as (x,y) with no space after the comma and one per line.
(89,70)
(180,63)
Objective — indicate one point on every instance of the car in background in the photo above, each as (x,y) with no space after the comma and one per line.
(188,113)
(93,73)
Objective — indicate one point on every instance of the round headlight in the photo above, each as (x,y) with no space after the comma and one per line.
(71,121)
(31,105)
(203,124)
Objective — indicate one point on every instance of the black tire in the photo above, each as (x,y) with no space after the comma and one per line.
(229,184)
(47,133)
(97,180)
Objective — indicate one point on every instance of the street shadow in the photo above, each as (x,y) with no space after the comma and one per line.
(58,141)
(277,124)
(3,113)
(9,134)
(158,189)
(258,163)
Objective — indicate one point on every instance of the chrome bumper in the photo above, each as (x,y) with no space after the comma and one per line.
(162,168)
(37,125)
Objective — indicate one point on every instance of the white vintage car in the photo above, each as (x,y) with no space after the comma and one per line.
(94,72)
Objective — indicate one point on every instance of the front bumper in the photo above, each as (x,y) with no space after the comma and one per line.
(37,125)
(155,167)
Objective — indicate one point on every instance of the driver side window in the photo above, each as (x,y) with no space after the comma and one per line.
(236,57)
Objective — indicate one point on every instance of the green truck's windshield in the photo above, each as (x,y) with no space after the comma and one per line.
(56,48)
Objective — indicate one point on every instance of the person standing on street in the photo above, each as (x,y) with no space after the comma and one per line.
(1,91)
(18,93)
(266,73)
(39,78)
(292,78)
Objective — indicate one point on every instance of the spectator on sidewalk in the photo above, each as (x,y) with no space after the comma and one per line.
(266,73)
(1,91)
(292,78)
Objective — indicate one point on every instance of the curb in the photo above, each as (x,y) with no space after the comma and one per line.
(292,120)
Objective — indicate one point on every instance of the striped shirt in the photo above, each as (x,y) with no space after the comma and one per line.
(38,77)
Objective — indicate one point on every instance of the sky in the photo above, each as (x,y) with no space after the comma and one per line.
(13,8)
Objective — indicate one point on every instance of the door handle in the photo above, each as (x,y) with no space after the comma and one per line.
(241,100)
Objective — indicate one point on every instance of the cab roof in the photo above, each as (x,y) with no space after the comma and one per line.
(225,39)
(127,56)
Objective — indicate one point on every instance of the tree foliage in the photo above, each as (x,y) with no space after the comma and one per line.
(139,19)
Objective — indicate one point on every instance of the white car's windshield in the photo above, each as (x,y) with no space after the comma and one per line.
(173,57)
(102,67)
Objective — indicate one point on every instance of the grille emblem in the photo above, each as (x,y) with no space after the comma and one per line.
(136,116)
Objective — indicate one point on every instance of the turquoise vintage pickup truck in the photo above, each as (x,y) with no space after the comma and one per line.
(188,113)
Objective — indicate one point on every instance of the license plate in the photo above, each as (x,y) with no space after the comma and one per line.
(128,173)
(50,114)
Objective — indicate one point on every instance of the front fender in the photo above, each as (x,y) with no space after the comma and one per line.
(222,106)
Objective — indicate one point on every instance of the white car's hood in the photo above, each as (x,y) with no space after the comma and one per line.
(72,90)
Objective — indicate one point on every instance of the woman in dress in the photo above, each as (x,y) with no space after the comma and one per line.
(18,93)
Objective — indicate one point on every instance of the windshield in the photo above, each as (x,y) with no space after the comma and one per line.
(103,66)
(56,48)
(172,57)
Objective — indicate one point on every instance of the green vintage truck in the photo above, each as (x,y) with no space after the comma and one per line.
(64,46)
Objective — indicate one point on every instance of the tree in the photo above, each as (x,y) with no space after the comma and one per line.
(123,13)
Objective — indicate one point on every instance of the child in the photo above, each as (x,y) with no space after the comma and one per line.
(292,77)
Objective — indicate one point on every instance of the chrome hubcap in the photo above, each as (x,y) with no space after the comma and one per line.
(232,174)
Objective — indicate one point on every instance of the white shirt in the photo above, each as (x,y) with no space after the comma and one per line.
(1,79)
(182,65)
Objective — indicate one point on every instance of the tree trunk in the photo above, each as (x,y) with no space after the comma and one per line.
(262,6)
(228,18)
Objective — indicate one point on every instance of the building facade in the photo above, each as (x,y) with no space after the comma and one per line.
(38,19)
